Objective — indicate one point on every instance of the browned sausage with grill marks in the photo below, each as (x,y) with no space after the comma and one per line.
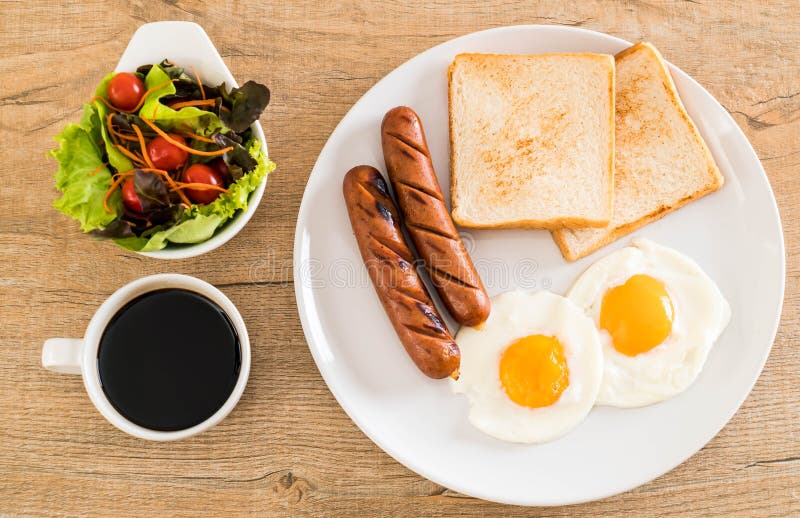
(427,219)
(390,263)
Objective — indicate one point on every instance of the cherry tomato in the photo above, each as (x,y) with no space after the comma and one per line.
(201,173)
(219,165)
(125,90)
(166,155)
(129,197)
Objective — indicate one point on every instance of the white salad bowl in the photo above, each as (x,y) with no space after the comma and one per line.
(187,45)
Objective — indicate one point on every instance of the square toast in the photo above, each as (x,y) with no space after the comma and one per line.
(531,140)
(661,161)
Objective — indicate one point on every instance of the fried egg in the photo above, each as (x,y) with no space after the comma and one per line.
(533,370)
(658,314)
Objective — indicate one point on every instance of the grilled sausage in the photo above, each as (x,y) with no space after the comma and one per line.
(390,263)
(427,219)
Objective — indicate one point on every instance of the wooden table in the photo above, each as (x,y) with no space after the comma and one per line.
(288,448)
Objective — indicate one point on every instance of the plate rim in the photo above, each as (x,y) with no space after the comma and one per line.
(367,429)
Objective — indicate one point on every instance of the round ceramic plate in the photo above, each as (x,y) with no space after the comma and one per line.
(734,234)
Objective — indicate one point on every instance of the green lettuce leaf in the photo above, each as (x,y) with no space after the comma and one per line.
(200,121)
(194,230)
(132,243)
(80,178)
(119,161)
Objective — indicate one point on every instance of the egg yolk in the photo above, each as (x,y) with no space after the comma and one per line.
(533,371)
(638,314)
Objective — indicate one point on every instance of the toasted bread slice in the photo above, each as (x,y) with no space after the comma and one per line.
(531,140)
(661,162)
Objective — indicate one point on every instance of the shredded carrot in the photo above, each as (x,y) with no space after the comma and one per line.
(130,154)
(183,146)
(98,169)
(201,187)
(117,181)
(103,99)
(143,146)
(195,136)
(153,170)
(199,83)
(122,136)
(184,104)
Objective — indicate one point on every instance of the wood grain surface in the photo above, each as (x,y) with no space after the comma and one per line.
(288,448)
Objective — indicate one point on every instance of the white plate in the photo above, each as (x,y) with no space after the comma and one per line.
(734,234)
(188,45)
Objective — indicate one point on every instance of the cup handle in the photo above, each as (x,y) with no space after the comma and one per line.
(62,355)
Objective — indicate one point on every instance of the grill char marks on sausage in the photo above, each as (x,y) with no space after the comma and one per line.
(376,224)
(427,218)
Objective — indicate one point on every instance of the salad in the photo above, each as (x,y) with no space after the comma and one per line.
(160,158)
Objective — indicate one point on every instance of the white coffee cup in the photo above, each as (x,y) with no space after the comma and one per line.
(79,355)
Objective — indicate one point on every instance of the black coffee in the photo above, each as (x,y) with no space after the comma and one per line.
(169,359)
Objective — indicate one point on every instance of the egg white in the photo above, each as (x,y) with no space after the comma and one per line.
(700,315)
(515,315)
